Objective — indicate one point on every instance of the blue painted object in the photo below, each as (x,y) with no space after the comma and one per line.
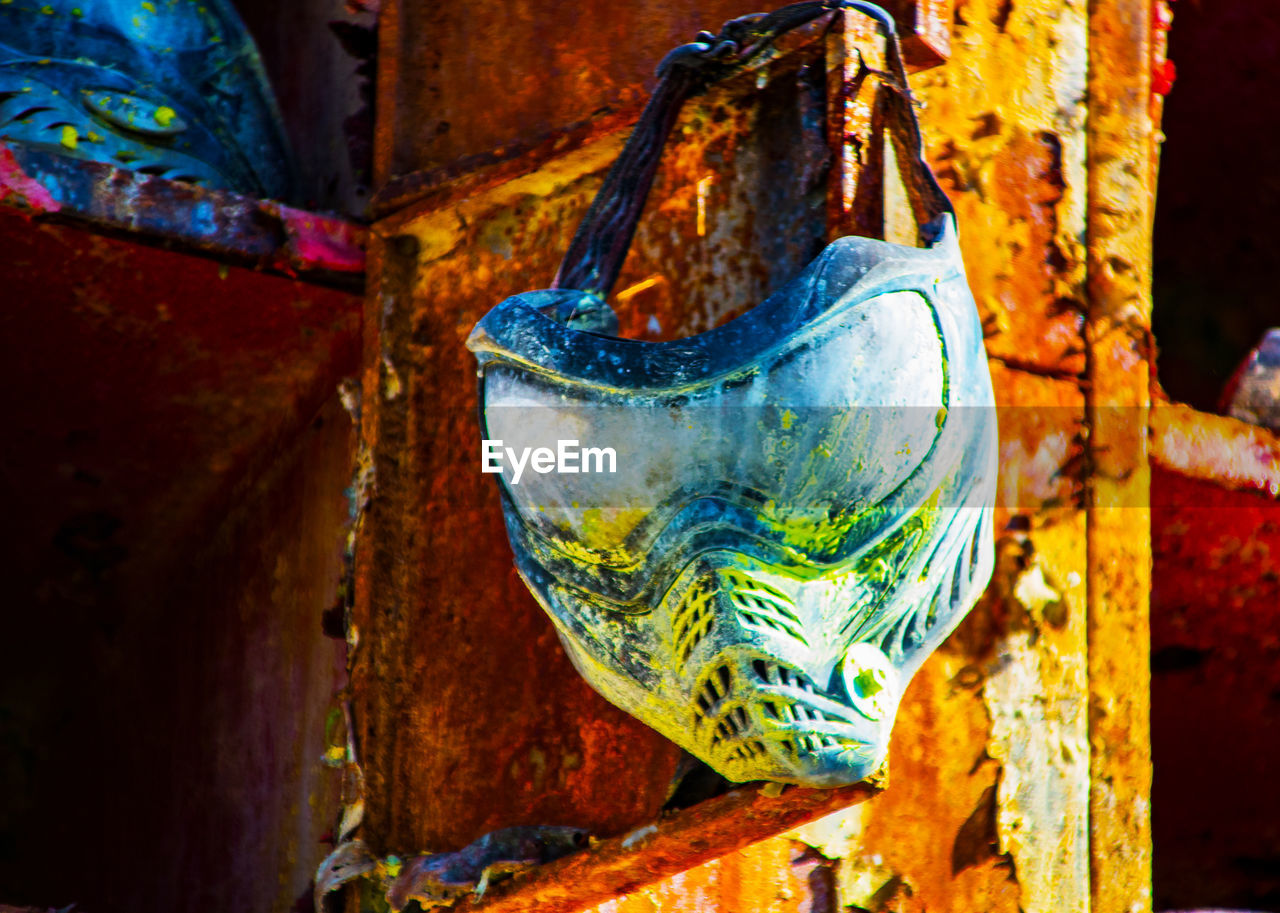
(173,88)
(800,503)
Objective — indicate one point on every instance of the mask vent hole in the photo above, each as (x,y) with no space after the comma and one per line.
(693,621)
(709,696)
(731,722)
(976,545)
(914,635)
(762,671)
(956,579)
(931,618)
(28,114)
(760,606)
(772,709)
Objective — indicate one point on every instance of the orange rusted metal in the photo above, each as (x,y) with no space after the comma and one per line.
(475,80)
(1215,448)
(1122,144)
(925,26)
(855,187)
(699,835)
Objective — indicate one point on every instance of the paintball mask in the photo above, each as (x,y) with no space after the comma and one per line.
(174,89)
(751,538)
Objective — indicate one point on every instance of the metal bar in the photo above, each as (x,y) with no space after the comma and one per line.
(690,838)
(186,217)
(1118,354)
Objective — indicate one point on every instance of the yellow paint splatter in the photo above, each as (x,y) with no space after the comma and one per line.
(639,287)
(70,138)
(149,7)
(704,186)
(165,115)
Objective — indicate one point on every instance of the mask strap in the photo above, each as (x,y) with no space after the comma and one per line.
(600,246)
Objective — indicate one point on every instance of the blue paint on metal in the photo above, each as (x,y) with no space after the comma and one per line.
(172,88)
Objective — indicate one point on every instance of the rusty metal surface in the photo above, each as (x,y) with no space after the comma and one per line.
(539,67)
(173,481)
(925,26)
(1121,191)
(1215,714)
(1214,448)
(1003,123)
(1004,726)
(233,228)
(774,876)
(627,863)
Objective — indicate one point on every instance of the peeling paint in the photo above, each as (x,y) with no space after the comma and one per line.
(17,186)
(1003,122)
(1035,693)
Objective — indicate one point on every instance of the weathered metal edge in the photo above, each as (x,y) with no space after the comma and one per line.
(1215,448)
(706,831)
(403,197)
(227,226)
(1120,137)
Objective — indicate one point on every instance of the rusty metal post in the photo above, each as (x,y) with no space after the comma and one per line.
(1120,209)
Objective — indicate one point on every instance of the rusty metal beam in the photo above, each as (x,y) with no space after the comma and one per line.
(1121,143)
(229,227)
(1215,448)
(925,27)
(707,831)
(855,188)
